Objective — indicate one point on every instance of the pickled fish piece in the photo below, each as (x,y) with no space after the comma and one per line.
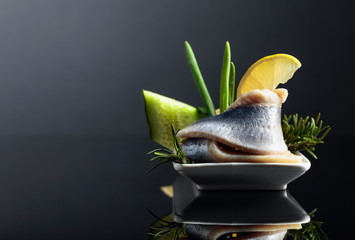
(200,150)
(222,153)
(251,124)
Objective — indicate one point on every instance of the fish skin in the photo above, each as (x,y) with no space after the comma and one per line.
(261,97)
(254,128)
(202,150)
(196,150)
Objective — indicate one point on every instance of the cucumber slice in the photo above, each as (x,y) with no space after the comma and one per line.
(162,112)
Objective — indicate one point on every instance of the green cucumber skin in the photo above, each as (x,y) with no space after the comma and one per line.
(146,113)
(149,101)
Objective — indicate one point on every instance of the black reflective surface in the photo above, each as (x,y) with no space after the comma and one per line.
(230,214)
(238,207)
(72,187)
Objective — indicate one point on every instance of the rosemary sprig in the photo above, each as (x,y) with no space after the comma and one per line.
(225,75)
(166,227)
(165,155)
(303,134)
(200,83)
(309,231)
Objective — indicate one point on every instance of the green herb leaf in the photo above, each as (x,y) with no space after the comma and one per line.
(225,76)
(303,134)
(200,83)
(231,84)
(166,228)
(309,231)
(166,155)
(201,112)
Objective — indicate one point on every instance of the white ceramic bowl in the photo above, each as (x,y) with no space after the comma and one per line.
(242,175)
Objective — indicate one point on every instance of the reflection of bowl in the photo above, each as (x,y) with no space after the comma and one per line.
(243,208)
(242,175)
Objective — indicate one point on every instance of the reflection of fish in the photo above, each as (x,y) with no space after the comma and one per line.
(249,130)
(211,232)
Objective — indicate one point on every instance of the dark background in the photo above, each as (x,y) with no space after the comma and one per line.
(73,131)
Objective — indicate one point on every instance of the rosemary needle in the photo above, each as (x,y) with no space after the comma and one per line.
(303,134)
(309,231)
(165,155)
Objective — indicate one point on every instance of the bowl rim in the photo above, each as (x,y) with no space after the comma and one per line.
(305,163)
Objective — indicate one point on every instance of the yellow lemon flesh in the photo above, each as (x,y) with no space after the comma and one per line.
(268,73)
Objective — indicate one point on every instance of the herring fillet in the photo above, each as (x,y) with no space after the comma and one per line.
(252,126)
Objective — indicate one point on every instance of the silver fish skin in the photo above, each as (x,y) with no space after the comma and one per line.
(251,128)
(196,150)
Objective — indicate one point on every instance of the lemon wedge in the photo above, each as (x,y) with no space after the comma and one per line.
(268,73)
